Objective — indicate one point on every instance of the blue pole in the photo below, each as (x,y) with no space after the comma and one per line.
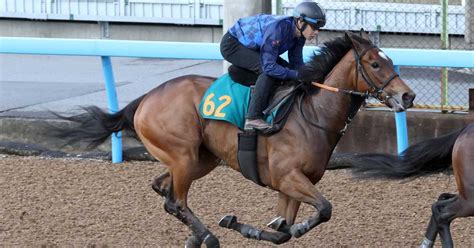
(401,125)
(402,133)
(113,107)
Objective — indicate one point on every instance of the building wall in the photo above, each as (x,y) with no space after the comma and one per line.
(119,31)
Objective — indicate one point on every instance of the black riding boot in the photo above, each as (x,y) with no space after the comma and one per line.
(258,103)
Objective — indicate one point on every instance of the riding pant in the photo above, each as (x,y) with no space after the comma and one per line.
(239,55)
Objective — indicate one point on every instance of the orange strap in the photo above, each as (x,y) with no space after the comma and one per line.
(325,87)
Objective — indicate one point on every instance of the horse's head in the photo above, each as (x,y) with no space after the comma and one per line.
(376,75)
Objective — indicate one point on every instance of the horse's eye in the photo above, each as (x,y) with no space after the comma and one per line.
(375,65)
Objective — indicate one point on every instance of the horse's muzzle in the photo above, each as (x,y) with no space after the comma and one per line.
(401,102)
(407,99)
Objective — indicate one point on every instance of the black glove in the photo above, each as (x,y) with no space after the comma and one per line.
(303,76)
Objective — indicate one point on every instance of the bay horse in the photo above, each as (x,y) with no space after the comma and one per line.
(292,161)
(430,156)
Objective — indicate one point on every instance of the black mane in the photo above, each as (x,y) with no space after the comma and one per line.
(323,60)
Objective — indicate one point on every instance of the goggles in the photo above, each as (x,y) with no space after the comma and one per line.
(316,24)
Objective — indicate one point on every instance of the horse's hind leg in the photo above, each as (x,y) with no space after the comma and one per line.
(176,205)
(445,210)
(450,206)
(432,229)
(182,174)
(251,232)
(184,166)
(430,234)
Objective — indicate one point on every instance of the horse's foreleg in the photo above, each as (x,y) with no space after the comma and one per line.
(297,186)
(282,236)
(248,231)
(287,209)
(162,184)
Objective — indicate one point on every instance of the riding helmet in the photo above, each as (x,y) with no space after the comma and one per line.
(311,13)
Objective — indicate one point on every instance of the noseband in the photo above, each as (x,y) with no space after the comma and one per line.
(374,91)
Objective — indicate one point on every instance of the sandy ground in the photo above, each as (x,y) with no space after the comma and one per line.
(88,203)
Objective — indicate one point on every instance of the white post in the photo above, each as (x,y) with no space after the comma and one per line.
(469,19)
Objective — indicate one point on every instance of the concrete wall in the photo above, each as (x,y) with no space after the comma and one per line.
(371,131)
(375,131)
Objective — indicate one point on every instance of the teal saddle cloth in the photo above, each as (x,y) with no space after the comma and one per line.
(227,100)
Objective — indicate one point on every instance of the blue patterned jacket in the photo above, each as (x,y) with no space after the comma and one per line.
(271,35)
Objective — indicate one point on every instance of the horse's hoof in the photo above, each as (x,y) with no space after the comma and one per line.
(296,232)
(281,238)
(277,223)
(193,242)
(227,220)
(211,241)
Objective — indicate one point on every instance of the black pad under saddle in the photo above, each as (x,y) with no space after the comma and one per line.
(283,98)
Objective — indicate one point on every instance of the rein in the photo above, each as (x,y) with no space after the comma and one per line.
(355,97)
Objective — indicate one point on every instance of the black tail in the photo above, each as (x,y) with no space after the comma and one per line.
(95,125)
(427,157)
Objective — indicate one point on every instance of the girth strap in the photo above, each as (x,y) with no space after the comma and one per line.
(247,156)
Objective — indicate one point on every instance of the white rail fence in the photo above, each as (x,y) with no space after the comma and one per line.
(386,17)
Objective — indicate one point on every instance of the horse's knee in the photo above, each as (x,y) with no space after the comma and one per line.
(325,211)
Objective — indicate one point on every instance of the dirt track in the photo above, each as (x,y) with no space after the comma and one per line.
(95,203)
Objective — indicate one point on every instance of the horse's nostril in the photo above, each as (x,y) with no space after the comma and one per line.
(408,97)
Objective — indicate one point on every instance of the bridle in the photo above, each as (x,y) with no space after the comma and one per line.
(358,97)
(374,91)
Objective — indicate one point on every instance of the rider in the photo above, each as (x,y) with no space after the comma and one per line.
(256,43)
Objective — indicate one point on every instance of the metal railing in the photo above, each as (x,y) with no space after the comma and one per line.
(204,51)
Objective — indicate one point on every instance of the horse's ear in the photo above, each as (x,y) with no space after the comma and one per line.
(355,40)
(364,35)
